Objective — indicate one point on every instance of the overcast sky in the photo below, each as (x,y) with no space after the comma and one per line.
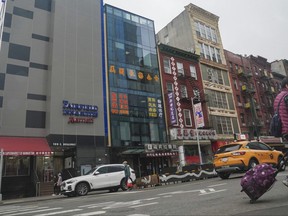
(252,27)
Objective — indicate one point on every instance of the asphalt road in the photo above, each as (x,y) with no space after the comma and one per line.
(202,197)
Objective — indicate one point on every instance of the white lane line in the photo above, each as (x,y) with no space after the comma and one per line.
(10,211)
(42,210)
(91,213)
(212,192)
(95,205)
(152,198)
(59,212)
(217,185)
(147,204)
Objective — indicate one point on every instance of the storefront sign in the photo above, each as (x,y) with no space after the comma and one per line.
(161,154)
(160,147)
(119,103)
(79,113)
(180,134)
(63,144)
(133,74)
(27,153)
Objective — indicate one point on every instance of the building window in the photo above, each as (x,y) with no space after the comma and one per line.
(16,166)
(180,69)
(215,76)
(207,52)
(242,118)
(2,81)
(166,63)
(183,90)
(19,52)
(223,125)
(196,93)
(35,119)
(235,84)
(202,53)
(43,4)
(8,20)
(22,12)
(193,71)
(187,118)
(219,100)
(218,55)
(17,70)
(169,87)
(214,35)
(40,37)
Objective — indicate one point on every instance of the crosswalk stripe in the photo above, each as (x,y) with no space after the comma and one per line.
(10,211)
(59,212)
(41,210)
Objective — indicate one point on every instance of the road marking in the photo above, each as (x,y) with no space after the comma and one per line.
(36,211)
(152,198)
(96,205)
(60,212)
(217,185)
(212,192)
(91,213)
(146,204)
(20,209)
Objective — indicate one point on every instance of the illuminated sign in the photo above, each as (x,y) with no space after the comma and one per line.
(119,103)
(133,74)
(79,113)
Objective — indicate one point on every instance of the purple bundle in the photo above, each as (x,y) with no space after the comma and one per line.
(259,179)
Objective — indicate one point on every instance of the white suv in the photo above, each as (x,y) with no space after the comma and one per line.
(110,176)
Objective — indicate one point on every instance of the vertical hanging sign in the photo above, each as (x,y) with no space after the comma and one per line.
(199,115)
(176,90)
(172,108)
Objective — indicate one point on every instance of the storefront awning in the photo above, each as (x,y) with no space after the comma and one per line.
(16,146)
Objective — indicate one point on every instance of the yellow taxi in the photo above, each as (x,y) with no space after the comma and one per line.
(240,156)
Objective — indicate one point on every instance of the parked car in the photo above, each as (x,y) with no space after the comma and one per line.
(242,155)
(109,176)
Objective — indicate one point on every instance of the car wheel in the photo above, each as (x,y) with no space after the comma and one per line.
(123,185)
(281,164)
(252,163)
(82,189)
(224,175)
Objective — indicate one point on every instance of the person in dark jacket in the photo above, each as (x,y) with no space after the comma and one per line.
(126,172)
(283,111)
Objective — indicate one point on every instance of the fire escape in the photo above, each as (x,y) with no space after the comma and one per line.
(248,92)
(268,93)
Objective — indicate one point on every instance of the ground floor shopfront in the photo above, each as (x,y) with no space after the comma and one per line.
(30,163)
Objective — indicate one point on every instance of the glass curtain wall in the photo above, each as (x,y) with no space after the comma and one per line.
(136,107)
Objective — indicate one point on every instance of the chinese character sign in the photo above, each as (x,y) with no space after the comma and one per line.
(172,109)
(199,115)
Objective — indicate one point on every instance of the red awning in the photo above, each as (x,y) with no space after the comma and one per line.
(16,146)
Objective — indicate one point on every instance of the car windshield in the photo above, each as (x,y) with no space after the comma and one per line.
(228,148)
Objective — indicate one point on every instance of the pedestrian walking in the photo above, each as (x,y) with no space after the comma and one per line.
(59,182)
(55,190)
(281,100)
(127,174)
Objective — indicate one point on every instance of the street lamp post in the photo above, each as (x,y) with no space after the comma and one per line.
(196,129)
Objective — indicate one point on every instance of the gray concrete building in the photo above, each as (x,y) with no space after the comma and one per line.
(51,90)
(196,30)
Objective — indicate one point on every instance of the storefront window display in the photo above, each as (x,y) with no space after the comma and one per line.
(16,166)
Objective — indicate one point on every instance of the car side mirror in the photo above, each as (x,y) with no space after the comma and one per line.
(96,173)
